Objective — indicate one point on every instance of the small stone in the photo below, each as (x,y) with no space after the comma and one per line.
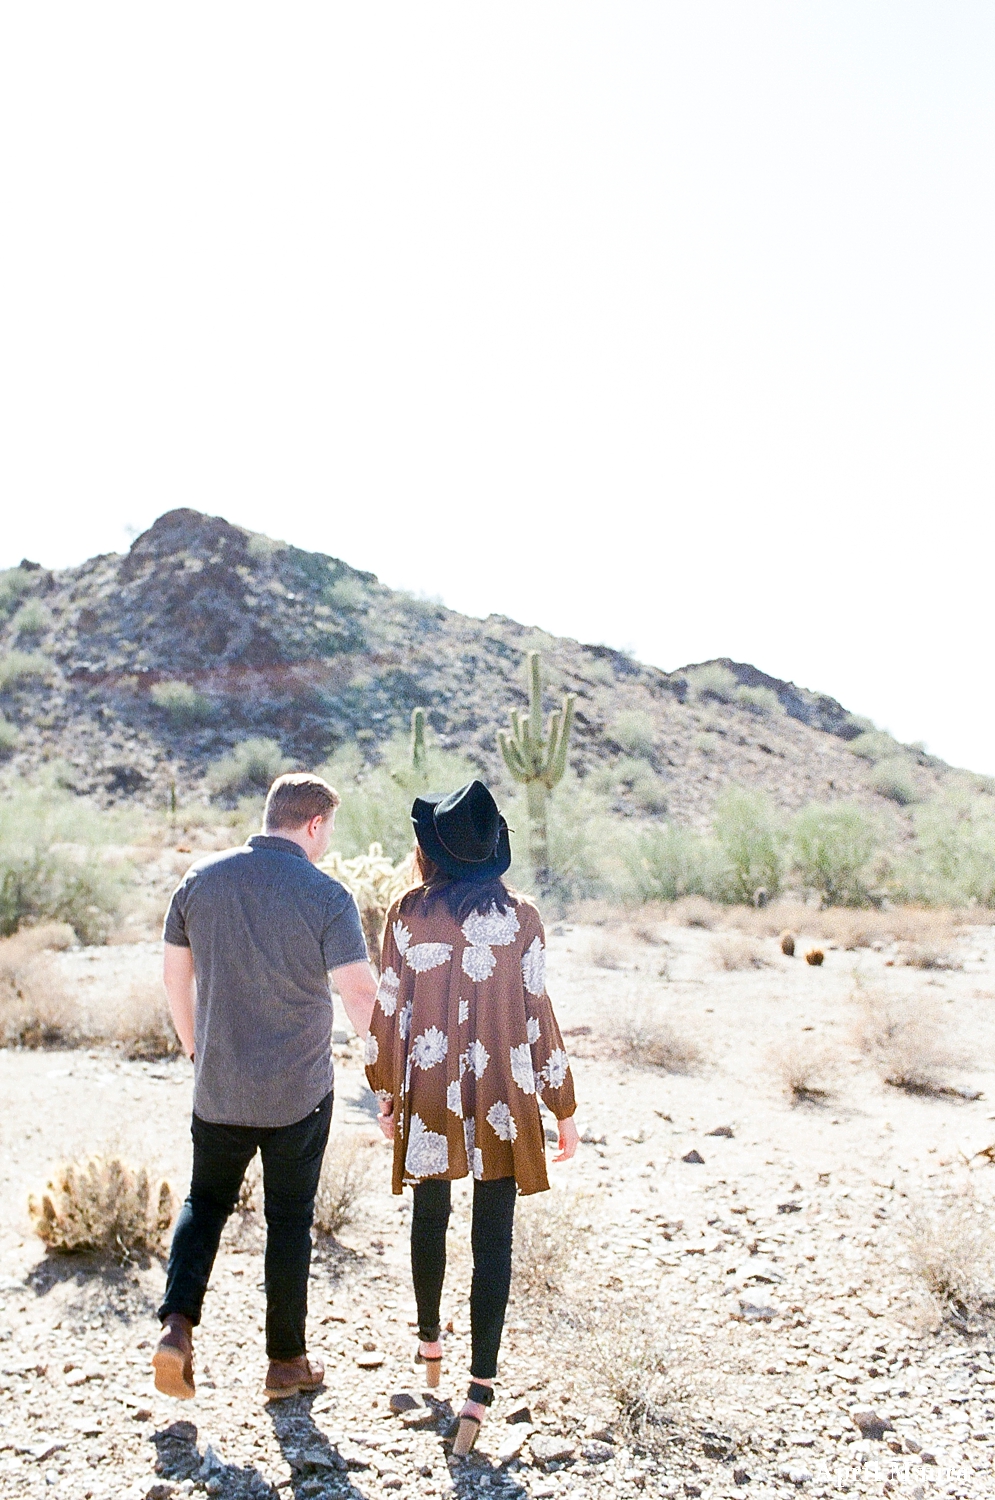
(512,1445)
(694,1158)
(182,1432)
(740,1476)
(42,1451)
(913,1445)
(597,1453)
(551,1450)
(520,1414)
(755,1306)
(869,1424)
(789,1208)
(796,1476)
(371,1361)
(926,1457)
(803,1440)
(142,1414)
(403,1401)
(725,1130)
(160,1492)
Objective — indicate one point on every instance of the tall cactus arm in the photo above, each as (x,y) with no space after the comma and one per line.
(558,756)
(535,695)
(512,759)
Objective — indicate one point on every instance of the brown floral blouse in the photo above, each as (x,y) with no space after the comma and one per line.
(463,1038)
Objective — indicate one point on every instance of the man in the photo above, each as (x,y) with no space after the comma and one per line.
(250,937)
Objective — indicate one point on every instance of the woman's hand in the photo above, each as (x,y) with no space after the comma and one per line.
(385,1119)
(569,1139)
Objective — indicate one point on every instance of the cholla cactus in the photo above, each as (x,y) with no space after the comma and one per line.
(376,885)
(101,1203)
(537,762)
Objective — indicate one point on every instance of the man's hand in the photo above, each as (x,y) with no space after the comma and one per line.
(178,977)
(358,988)
(385,1119)
(569,1139)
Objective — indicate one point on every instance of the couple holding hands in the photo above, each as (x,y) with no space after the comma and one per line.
(461,1044)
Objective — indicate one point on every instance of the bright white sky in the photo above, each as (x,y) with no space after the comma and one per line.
(666,325)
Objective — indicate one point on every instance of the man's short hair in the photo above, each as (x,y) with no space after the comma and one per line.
(293,800)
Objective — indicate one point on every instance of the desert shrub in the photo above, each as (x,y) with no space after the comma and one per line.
(8,736)
(951,1247)
(695,911)
(181,703)
(874,745)
(550,1230)
(666,862)
(621,1340)
(345,592)
(707,742)
(141,1023)
(893,778)
(635,731)
(32,619)
(712,681)
(588,846)
(807,1071)
(376,884)
(18,666)
(906,1041)
(646,789)
(43,879)
(645,1039)
(101,1203)
(760,700)
(952,861)
(606,955)
(832,845)
(377,795)
(346,1180)
(735,954)
(749,833)
(253,765)
(14,584)
(35,1007)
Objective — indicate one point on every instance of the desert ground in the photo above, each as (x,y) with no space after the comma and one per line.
(764,1272)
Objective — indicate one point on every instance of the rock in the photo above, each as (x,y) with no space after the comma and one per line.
(520,1414)
(760,1270)
(803,1440)
(369,1360)
(403,1401)
(913,1445)
(927,1458)
(511,1445)
(795,1476)
(869,1424)
(320,1459)
(789,1208)
(725,1130)
(694,1158)
(756,1307)
(160,1492)
(740,1476)
(180,1432)
(551,1450)
(597,1453)
(45,1450)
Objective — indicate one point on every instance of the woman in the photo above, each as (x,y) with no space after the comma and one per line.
(462,1045)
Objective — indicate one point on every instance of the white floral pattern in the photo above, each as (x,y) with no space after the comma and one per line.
(502,1121)
(532,1029)
(477,1058)
(371,1050)
(423,957)
(428,1152)
(474,1155)
(388,990)
(484,931)
(464,1011)
(534,968)
(404,1020)
(429,1049)
(402,937)
(521,1068)
(454,1099)
(555,1070)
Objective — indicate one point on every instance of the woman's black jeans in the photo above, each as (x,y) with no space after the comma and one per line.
(490,1238)
(291,1156)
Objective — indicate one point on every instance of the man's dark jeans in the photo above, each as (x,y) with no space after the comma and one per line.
(291,1156)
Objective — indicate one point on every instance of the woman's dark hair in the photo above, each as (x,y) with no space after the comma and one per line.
(461,896)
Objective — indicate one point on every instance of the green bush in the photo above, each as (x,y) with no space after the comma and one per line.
(14,584)
(832,845)
(8,736)
(181,703)
(893,778)
(635,731)
(952,862)
(665,863)
(44,878)
(749,834)
(18,666)
(587,842)
(874,745)
(31,619)
(760,700)
(252,766)
(712,681)
(345,592)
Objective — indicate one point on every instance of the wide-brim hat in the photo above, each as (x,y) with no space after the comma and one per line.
(463,832)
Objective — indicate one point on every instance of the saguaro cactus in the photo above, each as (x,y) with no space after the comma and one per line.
(537,762)
(418,752)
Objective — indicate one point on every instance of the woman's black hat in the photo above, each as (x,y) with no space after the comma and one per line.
(463,832)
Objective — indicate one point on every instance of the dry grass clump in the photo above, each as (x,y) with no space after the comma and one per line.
(952,1250)
(141,1023)
(696,911)
(35,1010)
(808,1071)
(549,1233)
(621,1341)
(101,1203)
(647,1040)
(734,954)
(346,1175)
(906,1041)
(928,956)
(605,955)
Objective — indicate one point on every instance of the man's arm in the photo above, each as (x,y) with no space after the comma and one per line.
(177,976)
(358,988)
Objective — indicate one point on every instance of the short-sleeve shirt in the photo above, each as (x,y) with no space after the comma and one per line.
(265,926)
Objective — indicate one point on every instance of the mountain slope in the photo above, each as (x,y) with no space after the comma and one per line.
(276,641)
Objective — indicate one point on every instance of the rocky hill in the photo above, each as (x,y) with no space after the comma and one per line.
(258,638)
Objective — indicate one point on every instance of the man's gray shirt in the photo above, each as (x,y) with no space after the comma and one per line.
(265,927)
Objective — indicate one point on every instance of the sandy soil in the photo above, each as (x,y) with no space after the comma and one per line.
(776,1269)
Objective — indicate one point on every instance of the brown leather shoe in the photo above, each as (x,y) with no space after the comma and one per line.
(289,1377)
(173,1358)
